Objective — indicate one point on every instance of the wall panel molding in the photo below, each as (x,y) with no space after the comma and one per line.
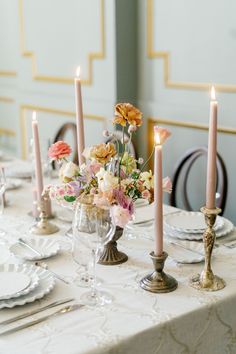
(60,79)
(151,121)
(166,57)
(25,107)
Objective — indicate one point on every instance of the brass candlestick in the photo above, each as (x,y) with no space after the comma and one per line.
(43,226)
(207,280)
(158,281)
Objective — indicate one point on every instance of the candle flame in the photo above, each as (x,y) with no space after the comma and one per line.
(34,116)
(213,93)
(157,138)
(78,72)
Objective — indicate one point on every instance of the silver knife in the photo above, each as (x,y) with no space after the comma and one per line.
(21,241)
(33,312)
(186,248)
(39,320)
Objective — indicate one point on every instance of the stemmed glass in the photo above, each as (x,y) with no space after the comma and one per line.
(2,190)
(80,251)
(95,242)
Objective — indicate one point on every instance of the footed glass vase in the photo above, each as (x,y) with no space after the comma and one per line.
(85,215)
(110,255)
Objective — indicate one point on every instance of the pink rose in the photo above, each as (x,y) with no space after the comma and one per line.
(167,185)
(59,150)
(161,134)
(120,215)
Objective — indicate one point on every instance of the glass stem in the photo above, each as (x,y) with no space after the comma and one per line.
(94,282)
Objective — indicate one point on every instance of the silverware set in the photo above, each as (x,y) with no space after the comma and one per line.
(61,311)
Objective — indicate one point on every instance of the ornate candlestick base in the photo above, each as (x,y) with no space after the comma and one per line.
(43,226)
(159,281)
(207,280)
(110,254)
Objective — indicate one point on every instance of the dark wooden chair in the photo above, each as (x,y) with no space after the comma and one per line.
(185,163)
(60,135)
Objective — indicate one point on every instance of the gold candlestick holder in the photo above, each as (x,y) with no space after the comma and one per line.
(207,280)
(158,281)
(43,226)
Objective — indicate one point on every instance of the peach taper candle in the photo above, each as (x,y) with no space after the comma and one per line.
(79,116)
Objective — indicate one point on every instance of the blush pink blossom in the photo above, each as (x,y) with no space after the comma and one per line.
(61,191)
(146,194)
(120,215)
(59,150)
(167,185)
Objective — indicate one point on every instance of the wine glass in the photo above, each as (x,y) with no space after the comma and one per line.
(81,255)
(95,242)
(2,191)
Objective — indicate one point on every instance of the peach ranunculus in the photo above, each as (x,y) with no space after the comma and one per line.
(127,113)
(59,150)
(161,134)
(103,152)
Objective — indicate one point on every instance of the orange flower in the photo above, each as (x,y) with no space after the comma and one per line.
(103,152)
(127,113)
(59,150)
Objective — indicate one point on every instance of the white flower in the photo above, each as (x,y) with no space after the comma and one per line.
(106,180)
(147,178)
(120,216)
(68,171)
(87,152)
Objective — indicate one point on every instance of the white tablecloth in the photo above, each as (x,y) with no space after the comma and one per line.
(137,322)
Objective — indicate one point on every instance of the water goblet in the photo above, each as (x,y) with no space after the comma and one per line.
(95,242)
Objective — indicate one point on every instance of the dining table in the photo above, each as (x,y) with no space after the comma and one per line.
(137,321)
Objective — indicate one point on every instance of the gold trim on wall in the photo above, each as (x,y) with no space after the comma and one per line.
(178,123)
(59,79)
(152,54)
(8,73)
(6,99)
(25,107)
(7,132)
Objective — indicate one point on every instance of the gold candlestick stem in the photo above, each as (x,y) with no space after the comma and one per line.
(207,280)
(158,281)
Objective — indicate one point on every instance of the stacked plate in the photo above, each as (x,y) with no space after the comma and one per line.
(191,225)
(34,249)
(20,284)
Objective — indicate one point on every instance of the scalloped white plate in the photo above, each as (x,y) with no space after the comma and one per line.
(190,221)
(16,280)
(225,230)
(46,284)
(45,246)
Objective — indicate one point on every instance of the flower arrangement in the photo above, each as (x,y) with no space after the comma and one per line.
(111,177)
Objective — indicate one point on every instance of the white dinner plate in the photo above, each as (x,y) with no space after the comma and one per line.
(225,230)
(16,280)
(45,246)
(46,284)
(185,251)
(140,203)
(4,254)
(21,170)
(13,183)
(190,221)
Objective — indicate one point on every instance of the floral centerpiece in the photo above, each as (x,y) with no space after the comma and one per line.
(111,177)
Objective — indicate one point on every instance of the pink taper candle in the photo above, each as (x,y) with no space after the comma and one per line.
(37,158)
(79,116)
(158,197)
(212,152)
